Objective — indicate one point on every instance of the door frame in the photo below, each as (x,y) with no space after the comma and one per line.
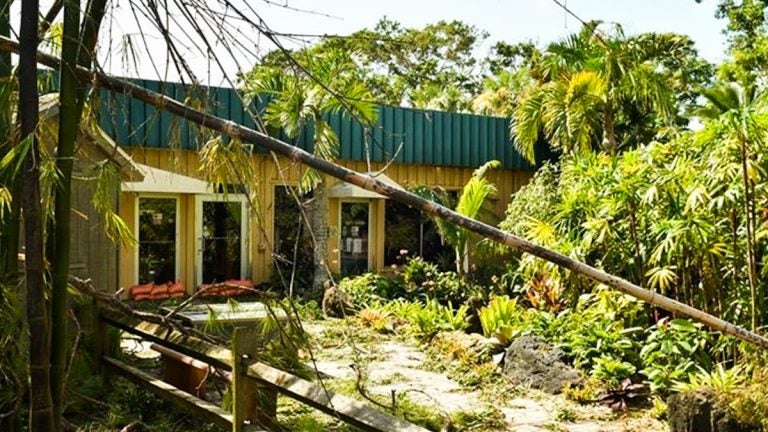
(371,264)
(244,232)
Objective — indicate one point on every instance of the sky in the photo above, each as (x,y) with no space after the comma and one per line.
(541,21)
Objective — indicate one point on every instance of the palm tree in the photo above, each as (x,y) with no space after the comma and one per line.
(298,99)
(584,81)
(471,201)
(743,115)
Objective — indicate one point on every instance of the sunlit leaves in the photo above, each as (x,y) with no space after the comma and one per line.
(662,278)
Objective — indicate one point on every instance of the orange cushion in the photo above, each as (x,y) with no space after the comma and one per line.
(141,289)
(142,297)
(175,287)
(240,282)
(159,289)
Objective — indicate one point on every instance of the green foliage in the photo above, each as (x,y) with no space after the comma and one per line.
(612,371)
(424,280)
(605,92)
(379,320)
(669,216)
(370,288)
(419,273)
(440,56)
(747,40)
(501,318)
(719,379)
(13,349)
(429,318)
(603,324)
(673,350)
(471,204)
(307,310)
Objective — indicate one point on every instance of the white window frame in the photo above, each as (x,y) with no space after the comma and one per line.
(177,243)
(245,259)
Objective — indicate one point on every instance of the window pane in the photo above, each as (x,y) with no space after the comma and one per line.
(157,240)
(354,237)
(222,238)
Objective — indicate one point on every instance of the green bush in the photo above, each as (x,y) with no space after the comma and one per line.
(370,288)
(502,319)
(429,318)
(424,280)
(673,350)
(419,274)
(612,371)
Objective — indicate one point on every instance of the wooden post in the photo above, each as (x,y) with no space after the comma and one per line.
(250,401)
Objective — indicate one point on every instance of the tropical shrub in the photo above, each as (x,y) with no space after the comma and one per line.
(602,324)
(424,280)
(612,371)
(673,350)
(369,288)
(429,318)
(719,379)
(667,215)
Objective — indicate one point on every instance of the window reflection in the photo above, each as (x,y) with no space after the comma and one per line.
(222,237)
(157,240)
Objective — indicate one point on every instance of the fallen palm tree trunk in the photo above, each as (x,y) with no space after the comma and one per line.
(247,135)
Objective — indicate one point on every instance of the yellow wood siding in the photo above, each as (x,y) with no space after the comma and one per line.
(284,172)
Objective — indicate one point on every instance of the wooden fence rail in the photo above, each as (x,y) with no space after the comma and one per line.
(255,385)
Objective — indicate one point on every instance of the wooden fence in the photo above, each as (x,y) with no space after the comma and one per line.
(255,385)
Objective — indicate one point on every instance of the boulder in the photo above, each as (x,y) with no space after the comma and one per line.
(700,411)
(531,361)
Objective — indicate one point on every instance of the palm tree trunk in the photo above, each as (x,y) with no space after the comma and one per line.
(60,235)
(41,411)
(298,155)
(319,222)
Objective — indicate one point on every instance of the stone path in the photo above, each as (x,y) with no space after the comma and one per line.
(399,366)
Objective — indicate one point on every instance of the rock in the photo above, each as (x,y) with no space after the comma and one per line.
(699,411)
(531,361)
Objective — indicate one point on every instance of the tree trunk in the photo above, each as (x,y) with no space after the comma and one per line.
(364,181)
(319,219)
(60,235)
(749,222)
(609,133)
(40,411)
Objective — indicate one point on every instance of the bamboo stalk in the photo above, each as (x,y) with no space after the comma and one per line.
(69,119)
(40,405)
(296,154)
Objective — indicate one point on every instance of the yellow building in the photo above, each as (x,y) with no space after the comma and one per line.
(187,232)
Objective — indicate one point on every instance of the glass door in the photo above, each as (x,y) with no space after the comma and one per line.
(222,238)
(354,245)
(157,251)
